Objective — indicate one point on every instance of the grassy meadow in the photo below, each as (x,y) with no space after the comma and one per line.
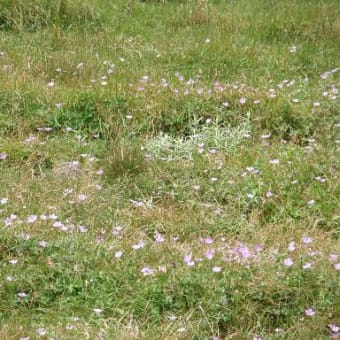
(169,169)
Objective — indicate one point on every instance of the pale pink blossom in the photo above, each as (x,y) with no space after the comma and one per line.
(147,271)
(306,239)
(243,100)
(307,265)
(42,331)
(209,254)
(162,269)
(159,237)
(288,262)
(310,312)
(291,246)
(334,328)
(138,245)
(188,260)
(207,240)
(32,218)
(333,257)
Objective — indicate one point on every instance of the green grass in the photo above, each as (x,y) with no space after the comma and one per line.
(169,169)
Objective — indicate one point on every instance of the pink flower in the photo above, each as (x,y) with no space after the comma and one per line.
(32,218)
(243,251)
(269,194)
(288,262)
(337,266)
(52,216)
(333,257)
(147,271)
(307,265)
(334,328)
(159,237)
(188,260)
(81,197)
(209,254)
(306,239)
(82,229)
(207,240)
(139,245)
(310,312)
(58,224)
(3,156)
(243,100)
(42,331)
(162,269)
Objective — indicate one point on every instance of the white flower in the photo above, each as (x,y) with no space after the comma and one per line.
(43,243)
(216,269)
(274,161)
(81,197)
(4,200)
(118,254)
(292,49)
(22,295)
(42,331)
(307,265)
(291,246)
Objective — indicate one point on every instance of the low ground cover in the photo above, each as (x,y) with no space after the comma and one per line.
(169,169)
